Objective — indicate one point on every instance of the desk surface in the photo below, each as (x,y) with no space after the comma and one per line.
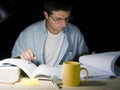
(113,84)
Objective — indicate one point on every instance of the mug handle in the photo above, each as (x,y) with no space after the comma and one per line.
(86,74)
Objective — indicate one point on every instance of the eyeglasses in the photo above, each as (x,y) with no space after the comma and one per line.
(61,19)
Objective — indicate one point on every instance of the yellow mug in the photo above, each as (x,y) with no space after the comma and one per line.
(71,74)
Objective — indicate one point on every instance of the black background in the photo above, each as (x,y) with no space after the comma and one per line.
(101,36)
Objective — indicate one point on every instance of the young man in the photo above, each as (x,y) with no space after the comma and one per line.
(52,40)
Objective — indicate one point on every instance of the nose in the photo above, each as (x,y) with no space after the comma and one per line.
(64,23)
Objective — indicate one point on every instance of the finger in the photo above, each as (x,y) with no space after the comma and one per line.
(25,55)
(30,54)
(34,57)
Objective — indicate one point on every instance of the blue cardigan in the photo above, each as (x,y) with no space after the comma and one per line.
(34,37)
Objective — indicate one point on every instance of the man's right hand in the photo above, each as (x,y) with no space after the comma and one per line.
(28,55)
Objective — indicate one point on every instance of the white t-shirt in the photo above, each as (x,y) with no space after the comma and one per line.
(52,47)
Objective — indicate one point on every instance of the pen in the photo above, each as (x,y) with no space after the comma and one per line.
(103,77)
(44,79)
(112,77)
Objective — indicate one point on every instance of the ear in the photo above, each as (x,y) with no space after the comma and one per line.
(45,14)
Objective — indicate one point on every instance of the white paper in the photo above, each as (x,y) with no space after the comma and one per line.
(48,70)
(27,67)
(100,65)
(32,70)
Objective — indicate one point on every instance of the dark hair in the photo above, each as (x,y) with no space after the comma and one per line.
(56,5)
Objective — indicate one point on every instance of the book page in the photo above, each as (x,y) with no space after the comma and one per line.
(48,71)
(26,66)
(93,72)
(102,61)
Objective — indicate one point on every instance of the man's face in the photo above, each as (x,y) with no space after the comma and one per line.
(57,21)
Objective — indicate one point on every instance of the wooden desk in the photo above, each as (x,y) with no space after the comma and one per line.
(113,84)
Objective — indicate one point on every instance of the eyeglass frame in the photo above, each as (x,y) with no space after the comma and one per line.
(61,19)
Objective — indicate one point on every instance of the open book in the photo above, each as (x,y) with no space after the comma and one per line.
(32,71)
(101,65)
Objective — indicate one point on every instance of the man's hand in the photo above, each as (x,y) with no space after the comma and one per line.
(28,55)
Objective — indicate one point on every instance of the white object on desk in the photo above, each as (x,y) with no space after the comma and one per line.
(9,74)
(32,71)
(101,65)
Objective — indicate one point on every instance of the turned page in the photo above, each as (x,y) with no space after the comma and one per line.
(100,63)
(46,72)
(26,66)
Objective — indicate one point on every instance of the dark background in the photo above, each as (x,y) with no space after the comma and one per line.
(101,36)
